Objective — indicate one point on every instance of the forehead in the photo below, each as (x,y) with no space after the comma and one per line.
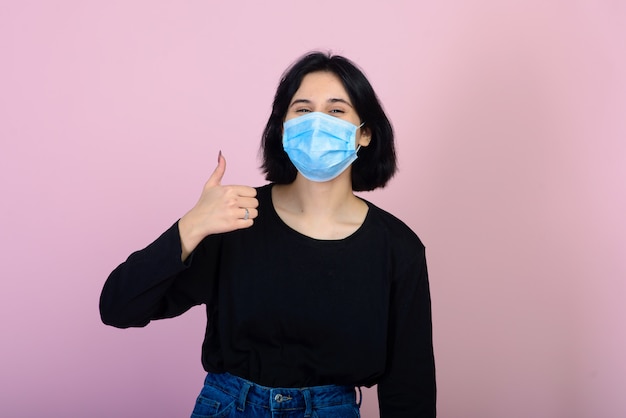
(321,85)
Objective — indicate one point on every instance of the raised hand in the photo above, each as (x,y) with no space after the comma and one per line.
(219,209)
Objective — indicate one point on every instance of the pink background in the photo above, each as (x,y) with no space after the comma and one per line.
(511,132)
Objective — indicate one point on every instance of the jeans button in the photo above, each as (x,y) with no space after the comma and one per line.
(282,398)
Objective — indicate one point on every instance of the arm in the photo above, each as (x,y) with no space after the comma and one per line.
(407,389)
(154,283)
(162,280)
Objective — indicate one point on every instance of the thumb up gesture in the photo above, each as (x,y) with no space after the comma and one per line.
(219,209)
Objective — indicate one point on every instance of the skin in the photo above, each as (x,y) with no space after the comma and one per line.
(321,210)
(219,209)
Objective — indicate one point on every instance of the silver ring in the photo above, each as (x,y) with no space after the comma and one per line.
(247,215)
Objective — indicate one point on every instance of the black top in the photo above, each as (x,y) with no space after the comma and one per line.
(287,310)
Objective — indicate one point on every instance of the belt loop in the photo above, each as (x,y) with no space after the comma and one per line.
(307,402)
(360,396)
(243,394)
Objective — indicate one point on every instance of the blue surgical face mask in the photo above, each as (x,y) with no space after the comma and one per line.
(319,145)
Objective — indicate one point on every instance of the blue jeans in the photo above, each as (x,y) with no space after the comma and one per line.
(225,395)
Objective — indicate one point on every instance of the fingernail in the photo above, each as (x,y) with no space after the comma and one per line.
(219,156)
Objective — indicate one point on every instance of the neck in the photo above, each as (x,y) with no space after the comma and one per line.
(317,199)
(327,210)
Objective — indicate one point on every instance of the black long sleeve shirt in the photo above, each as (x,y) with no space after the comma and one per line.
(287,310)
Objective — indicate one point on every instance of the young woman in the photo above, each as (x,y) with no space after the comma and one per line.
(310,291)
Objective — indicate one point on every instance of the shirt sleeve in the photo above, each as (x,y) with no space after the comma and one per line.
(408,388)
(154,283)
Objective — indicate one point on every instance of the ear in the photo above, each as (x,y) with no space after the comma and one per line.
(364,136)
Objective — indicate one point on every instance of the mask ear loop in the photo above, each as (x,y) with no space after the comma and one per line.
(359,146)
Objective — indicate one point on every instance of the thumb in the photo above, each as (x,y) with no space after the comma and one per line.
(219,171)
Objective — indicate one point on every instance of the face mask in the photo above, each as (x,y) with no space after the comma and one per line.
(319,145)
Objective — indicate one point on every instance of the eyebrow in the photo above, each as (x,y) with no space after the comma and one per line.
(332,100)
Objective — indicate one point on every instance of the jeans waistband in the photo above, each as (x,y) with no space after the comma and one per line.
(282,399)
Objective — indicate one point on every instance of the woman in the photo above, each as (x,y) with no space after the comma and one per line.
(310,291)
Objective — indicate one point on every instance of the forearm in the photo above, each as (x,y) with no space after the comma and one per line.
(408,388)
(134,292)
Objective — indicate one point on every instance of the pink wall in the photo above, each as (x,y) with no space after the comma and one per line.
(512,142)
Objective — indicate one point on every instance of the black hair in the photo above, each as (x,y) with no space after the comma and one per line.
(376,163)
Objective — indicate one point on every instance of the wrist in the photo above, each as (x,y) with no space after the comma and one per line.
(189,239)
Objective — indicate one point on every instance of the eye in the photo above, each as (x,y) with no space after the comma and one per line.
(336,111)
(303,110)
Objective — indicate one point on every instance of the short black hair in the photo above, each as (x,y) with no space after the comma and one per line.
(376,163)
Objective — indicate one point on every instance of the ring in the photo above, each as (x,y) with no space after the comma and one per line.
(247,215)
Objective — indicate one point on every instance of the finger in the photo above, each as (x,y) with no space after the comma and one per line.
(247,213)
(218,173)
(247,202)
(253,213)
(244,223)
(245,191)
